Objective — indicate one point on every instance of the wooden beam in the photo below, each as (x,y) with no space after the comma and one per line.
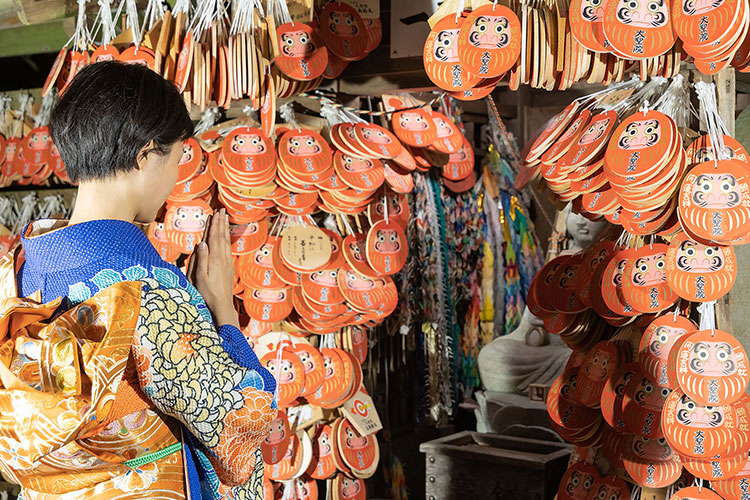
(9,10)
(42,38)
(42,11)
(726,101)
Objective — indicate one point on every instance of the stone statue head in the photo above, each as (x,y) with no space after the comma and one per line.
(582,231)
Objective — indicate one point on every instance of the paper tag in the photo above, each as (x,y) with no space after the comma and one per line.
(300,10)
(614,98)
(305,247)
(304,416)
(361,412)
(369,9)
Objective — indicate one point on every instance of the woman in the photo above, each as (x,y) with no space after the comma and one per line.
(120,377)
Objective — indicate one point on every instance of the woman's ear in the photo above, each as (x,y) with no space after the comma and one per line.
(143,154)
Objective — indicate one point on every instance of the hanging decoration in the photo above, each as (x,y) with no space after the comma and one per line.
(218,52)
(660,393)
(474,45)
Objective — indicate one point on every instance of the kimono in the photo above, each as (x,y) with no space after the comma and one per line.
(114,381)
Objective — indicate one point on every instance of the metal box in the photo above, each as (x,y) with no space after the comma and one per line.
(469,465)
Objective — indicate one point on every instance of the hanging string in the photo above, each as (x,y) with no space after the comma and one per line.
(208,120)
(132,22)
(286,112)
(45,111)
(326,100)
(280,12)
(107,21)
(5,103)
(182,6)
(279,350)
(345,221)
(26,213)
(25,102)
(709,113)
(590,99)
(155,11)
(644,92)
(81,35)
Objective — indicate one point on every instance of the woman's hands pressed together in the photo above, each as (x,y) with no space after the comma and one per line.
(211,271)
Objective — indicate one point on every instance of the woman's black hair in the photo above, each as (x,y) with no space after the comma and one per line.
(109,113)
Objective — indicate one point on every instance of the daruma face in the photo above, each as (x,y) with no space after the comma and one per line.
(490,32)
(302,487)
(244,229)
(694,257)
(278,432)
(187,154)
(640,135)
(358,282)
(594,132)
(272,296)
(263,256)
(568,386)
(394,207)
(159,233)
(443,129)
(707,154)
(650,396)
(190,219)
(691,414)
(413,121)
(297,44)
(719,191)
(307,361)
(662,341)
(387,241)
(355,165)
(328,365)
(343,24)
(651,449)
(376,136)
(578,485)
(285,374)
(325,277)
(248,144)
(714,359)
(324,444)
(643,13)
(598,369)
(304,145)
(355,442)
(592,11)
(572,129)
(350,487)
(606,492)
(446,46)
(649,270)
(697,7)
(39,140)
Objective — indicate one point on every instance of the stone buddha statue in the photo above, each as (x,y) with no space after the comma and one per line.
(529,355)
(581,231)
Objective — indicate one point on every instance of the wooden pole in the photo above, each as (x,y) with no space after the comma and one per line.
(726,100)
